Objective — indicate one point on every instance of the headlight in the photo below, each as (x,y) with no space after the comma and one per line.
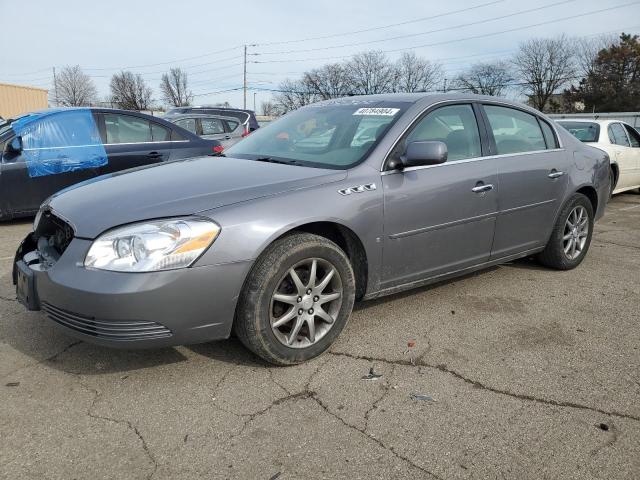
(152,246)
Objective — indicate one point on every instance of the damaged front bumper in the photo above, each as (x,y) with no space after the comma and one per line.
(127,310)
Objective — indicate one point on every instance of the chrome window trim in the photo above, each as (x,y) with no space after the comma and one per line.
(471,102)
(468,160)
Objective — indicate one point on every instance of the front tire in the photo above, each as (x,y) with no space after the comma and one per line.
(296,299)
(571,235)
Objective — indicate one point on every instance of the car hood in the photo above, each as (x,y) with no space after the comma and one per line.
(177,188)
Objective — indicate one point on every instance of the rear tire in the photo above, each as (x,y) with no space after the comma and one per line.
(571,235)
(612,181)
(296,299)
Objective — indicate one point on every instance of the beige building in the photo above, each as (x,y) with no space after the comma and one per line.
(16,100)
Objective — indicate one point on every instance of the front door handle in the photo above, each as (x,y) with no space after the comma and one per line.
(555,174)
(154,155)
(482,188)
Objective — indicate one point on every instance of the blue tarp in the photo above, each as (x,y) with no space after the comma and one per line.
(59,141)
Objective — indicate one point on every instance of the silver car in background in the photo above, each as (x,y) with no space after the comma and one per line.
(227,130)
(339,201)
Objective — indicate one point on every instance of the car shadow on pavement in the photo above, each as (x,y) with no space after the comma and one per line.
(230,351)
(529,263)
(363,305)
(35,336)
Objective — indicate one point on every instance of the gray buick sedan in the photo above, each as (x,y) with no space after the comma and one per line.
(339,201)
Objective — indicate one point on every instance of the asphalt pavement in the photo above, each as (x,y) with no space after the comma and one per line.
(514,372)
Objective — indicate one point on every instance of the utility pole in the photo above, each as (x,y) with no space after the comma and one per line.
(55,87)
(444,87)
(245,78)
(254,101)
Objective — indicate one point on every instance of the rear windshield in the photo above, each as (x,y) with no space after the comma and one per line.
(331,135)
(583,131)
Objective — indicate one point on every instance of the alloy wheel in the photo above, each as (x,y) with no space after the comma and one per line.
(576,230)
(306,303)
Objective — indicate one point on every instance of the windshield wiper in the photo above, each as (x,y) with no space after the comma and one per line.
(277,160)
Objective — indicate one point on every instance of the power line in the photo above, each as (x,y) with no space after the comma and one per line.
(166,63)
(444,29)
(217,92)
(456,40)
(355,32)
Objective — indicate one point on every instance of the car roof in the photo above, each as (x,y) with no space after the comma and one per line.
(178,116)
(426,99)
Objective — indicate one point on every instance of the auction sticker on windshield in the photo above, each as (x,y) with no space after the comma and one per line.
(384,112)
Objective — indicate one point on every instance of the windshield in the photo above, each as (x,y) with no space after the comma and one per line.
(584,131)
(330,135)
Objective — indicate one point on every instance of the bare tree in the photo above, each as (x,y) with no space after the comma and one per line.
(129,91)
(544,65)
(370,72)
(415,74)
(175,88)
(294,94)
(329,81)
(587,50)
(269,109)
(74,88)
(485,79)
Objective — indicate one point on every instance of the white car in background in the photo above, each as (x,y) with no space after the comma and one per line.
(619,140)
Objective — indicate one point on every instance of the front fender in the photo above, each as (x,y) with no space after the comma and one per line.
(248,228)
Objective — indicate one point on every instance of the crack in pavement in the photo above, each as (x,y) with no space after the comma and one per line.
(386,388)
(127,423)
(388,448)
(307,393)
(521,396)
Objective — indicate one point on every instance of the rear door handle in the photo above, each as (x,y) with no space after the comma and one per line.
(555,174)
(482,188)
(154,155)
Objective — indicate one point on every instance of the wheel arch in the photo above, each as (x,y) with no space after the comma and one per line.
(616,174)
(341,235)
(590,192)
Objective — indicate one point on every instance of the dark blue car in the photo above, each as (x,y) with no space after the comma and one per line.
(44,152)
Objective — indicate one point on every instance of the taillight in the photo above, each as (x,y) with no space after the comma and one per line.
(246,132)
(218,149)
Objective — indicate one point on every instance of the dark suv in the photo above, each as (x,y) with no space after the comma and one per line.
(246,117)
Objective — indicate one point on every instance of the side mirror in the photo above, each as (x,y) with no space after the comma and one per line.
(14,147)
(421,153)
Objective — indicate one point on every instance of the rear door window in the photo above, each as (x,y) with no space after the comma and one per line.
(126,129)
(187,124)
(160,133)
(211,126)
(617,135)
(514,131)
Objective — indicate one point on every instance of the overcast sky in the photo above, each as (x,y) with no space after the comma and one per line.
(205,37)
